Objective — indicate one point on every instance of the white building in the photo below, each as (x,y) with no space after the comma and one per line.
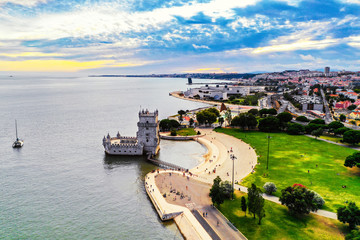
(220,92)
(147,140)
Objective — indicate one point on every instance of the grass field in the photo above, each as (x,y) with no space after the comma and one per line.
(279,224)
(290,158)
(186,132)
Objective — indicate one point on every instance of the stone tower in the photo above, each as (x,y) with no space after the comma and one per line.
(148,131)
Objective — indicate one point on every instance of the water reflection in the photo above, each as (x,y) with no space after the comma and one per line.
(114,161)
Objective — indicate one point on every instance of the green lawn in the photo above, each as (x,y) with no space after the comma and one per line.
(290,159)
(186,132)
(279,224)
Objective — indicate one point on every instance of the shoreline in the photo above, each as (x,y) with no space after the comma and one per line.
(213,103)
(219,147)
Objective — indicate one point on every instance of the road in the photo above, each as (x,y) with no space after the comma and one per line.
(328,117)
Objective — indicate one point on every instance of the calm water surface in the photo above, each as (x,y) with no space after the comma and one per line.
(60,185)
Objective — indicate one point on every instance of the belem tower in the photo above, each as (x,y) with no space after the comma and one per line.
(147,140)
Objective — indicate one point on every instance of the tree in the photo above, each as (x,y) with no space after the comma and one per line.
(353,160)
(349,214)
(351,136)
(214,111)
(253,198)
(243,205)
(312,126)
(244,120)
(200,117)
(216,193)
(317,133)
(318,121)
(298,199)
(351,107)
(191,122)
(270,188)
(342,117)
(260,211)
(295,129)
(353,235)
(221,121)
(263,112)
(251,121)
(284,117)
(207,116)
(272,111)
(181,112)
(253,111)
(335,125)
(269,124)
(341,131)
(228,116)
(166,124)
(302,119)
(227,189)
(318,199)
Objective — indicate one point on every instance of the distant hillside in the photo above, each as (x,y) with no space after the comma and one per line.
(224,76)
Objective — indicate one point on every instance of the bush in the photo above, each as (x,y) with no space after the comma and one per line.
(302,119)
(318,121)
(270,188)
(269,124)
(173,132)
(295,129)
(318,199)
(353,235)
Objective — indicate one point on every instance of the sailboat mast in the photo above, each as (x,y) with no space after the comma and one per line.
(16,129)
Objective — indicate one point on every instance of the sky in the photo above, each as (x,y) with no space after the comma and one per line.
(178,36)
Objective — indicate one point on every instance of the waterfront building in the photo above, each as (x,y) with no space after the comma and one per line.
(221,92)
(147,140)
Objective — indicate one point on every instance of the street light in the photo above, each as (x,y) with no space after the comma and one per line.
(232,156)
(267,160)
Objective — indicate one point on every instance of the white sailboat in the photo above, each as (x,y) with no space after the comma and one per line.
(18,143)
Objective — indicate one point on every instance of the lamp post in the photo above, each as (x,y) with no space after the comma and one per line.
(267,160)
(232,156)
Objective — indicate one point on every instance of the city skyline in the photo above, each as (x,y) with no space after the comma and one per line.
(142,37)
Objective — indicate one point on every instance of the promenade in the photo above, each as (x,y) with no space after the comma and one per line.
(187,195)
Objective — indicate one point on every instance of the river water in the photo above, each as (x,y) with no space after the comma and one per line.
(61,185)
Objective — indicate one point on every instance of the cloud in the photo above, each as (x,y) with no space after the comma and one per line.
(307,57)
(200,46)
(27,3)
(31,54)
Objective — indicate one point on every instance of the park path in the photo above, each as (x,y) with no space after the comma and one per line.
(275,199)
(332,142)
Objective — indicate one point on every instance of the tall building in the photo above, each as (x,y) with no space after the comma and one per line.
(327,70)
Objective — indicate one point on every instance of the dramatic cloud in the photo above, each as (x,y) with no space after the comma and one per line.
(130,36)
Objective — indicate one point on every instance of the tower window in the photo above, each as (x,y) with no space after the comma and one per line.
(147,121)
(147,140)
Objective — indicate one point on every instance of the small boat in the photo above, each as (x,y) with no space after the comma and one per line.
(18,143)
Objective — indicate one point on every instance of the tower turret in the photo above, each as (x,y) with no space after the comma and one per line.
(148,131)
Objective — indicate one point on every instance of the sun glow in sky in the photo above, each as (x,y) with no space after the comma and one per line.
(141,36)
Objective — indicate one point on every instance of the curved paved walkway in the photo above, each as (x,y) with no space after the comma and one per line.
(275,199)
